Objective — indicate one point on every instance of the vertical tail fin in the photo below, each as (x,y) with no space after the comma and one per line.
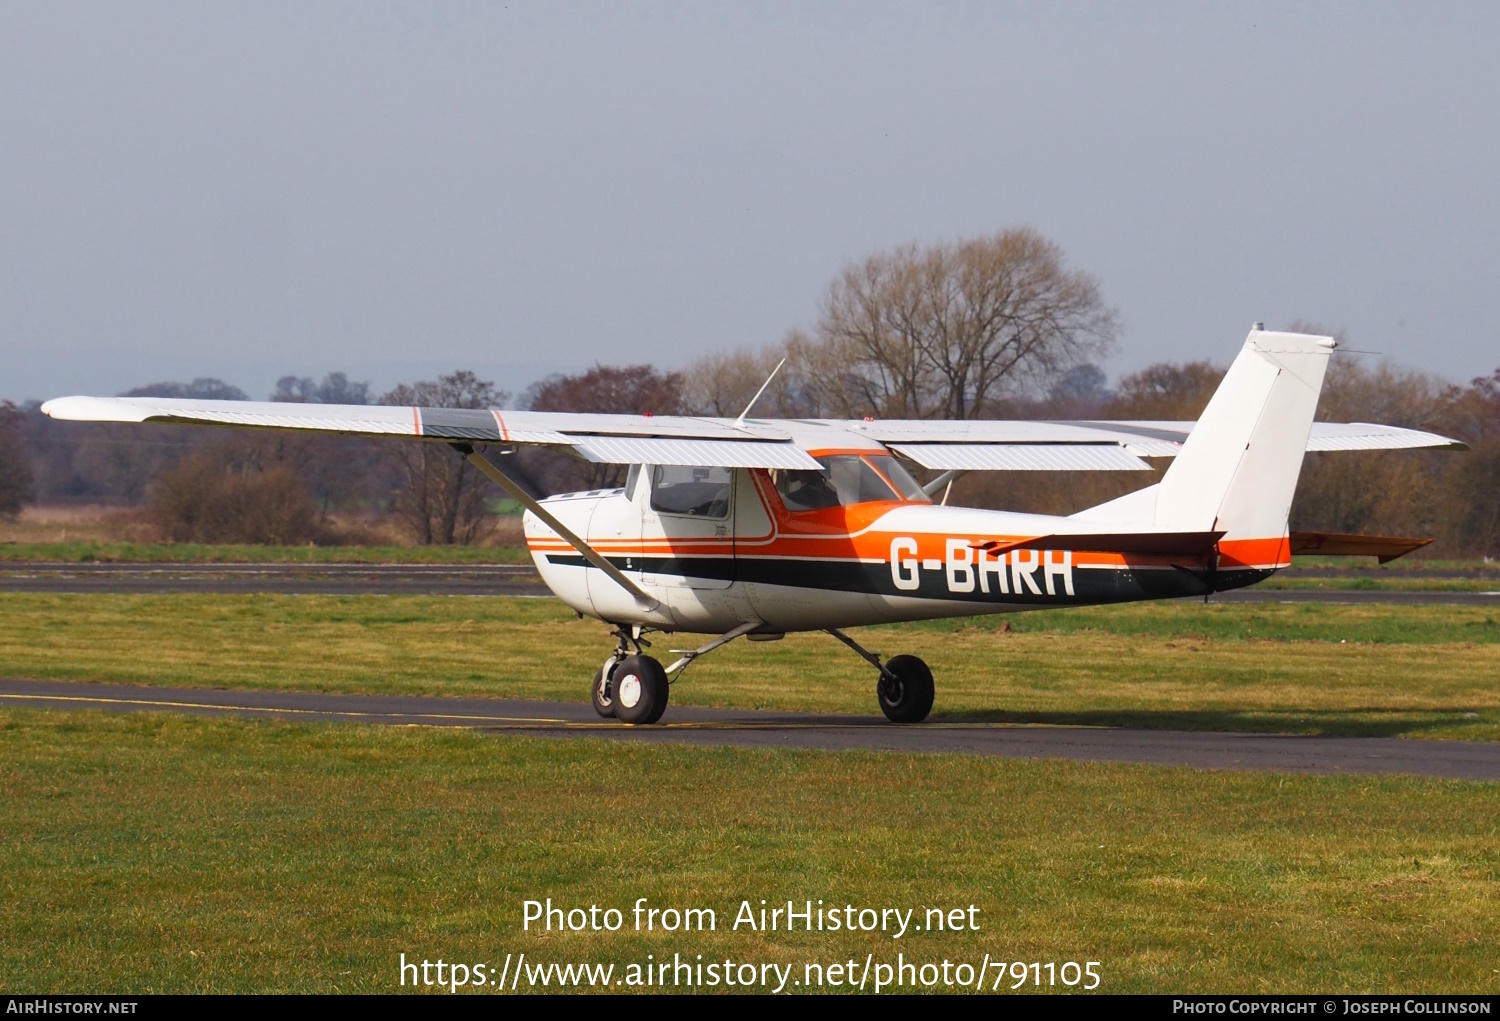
(1238,469)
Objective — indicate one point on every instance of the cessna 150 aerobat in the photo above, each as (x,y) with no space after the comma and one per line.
(755,528)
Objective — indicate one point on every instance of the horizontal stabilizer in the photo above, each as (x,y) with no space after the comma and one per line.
(1155,544)
(1334,544)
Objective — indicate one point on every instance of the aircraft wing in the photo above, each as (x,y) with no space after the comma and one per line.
(611,439)
(971,445)
(1017,444)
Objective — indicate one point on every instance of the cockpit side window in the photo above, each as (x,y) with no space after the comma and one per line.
(844,480)
(804,489)
(696,491)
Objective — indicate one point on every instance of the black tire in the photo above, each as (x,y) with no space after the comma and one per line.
(640,690)
(603,695)
(907,699)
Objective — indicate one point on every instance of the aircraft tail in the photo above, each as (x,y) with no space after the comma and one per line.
(1239,466)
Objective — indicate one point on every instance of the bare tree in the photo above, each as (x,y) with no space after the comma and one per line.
(339,470)
(953,330)
(205,388)
(442,499)
(949,330)
(604,389)
(239,489)
(336,388)
(1166,391)
(1471,487)
(15,474)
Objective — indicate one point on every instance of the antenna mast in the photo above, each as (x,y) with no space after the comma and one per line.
(739,423)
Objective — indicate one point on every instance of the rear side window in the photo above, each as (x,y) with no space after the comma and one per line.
(696,491)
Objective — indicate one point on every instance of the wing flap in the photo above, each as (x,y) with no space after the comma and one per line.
(1021,456)
(723,453)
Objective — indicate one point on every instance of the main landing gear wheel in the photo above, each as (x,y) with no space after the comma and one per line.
(640,687)
(603,690)
(905,695)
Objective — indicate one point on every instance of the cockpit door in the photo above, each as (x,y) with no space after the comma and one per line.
(687,526)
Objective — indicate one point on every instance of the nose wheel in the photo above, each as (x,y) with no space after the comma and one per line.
(639,690)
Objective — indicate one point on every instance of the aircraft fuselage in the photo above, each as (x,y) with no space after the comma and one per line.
(870,563)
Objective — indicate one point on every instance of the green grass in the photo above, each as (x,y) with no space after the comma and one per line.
(153,853)
(1427,671)
(1401,565)
(198,553)
(1411,582)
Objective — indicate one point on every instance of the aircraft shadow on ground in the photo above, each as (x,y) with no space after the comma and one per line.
(1384,721)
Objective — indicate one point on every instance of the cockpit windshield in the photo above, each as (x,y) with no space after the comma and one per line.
(845,480)
(899,477)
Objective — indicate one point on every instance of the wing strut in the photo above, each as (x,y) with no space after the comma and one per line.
(525,499)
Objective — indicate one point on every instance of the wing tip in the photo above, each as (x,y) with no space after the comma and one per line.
(93,409)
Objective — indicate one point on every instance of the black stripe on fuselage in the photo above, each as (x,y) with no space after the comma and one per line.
(1090,584)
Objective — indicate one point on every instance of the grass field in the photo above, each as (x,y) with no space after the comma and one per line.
(1409,581)
(90,551)
(1428,671)
(149,853)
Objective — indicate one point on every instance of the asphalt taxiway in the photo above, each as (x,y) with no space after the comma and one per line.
(1463,760)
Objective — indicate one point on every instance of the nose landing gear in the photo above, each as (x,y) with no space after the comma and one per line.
(631,686)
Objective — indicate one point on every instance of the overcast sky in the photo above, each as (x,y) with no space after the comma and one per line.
(245,191)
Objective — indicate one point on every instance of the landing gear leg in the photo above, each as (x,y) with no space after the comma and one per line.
(688,655)
(905,689)
(603,689)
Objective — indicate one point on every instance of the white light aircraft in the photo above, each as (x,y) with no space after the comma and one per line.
(756,528)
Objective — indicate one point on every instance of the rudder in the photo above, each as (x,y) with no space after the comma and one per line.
(1239,466)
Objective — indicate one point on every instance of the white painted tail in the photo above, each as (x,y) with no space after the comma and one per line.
(1239,467)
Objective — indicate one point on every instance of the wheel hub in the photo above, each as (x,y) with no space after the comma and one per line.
(628,691)
(891,691)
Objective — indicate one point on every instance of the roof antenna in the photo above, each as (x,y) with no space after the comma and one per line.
(739,423)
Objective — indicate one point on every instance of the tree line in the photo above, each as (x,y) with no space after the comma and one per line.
(991,327)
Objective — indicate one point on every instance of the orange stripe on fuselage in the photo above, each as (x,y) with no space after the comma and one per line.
(875,547)
(870,547)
